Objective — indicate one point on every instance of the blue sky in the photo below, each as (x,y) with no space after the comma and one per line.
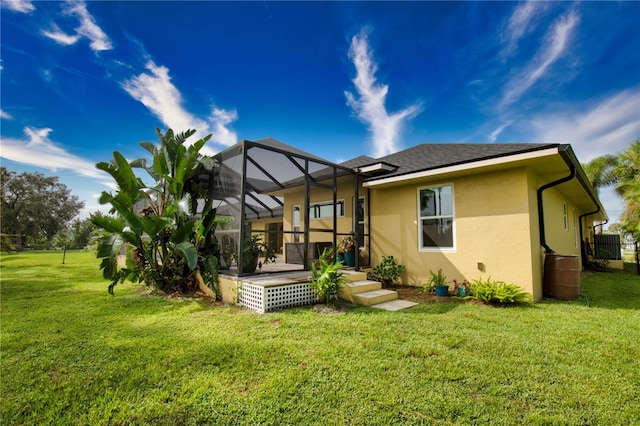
(337,79)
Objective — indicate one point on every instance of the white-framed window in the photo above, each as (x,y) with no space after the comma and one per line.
(436,220)
(566,215)
(295,221)
(324,209)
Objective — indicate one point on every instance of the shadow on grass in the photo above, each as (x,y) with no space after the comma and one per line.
(609,290)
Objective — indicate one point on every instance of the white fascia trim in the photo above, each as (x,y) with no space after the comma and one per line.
(377,167)
(465,166)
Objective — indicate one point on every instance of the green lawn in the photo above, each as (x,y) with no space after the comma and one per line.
(73,354)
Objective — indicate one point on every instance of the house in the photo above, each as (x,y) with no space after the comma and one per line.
(472,210)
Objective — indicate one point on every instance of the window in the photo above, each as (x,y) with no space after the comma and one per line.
(566,216)
(436,220)
(296,224)
(324,210)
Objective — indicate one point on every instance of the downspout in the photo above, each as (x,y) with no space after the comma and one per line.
(543,239)
(582,244)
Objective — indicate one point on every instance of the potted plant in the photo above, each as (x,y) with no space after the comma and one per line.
(439,282)
(347,248)
(254,248)
(387,271)
(326,277)
(462,290)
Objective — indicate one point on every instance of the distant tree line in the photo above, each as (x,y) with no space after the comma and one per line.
(37,211)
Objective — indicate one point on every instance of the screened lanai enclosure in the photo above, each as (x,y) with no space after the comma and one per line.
(262,190)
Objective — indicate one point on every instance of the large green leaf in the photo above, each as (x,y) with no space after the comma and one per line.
(208,222)
(154,224)
(109,245)
(150,147)
(189,253)
(109,266)
(109,224)
(181,162)
(183,233)
(127,214)
(125,177)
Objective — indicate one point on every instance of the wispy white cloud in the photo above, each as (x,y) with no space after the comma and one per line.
(494,135)
(23,6)
(88,28)
(5,115)
(155,90)
(60,36)
(607,127)
(370,107)
(555,44)
(521,21)
(36,149)
(219,120)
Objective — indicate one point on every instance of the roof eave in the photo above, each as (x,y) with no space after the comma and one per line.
(567,154)
(459,168)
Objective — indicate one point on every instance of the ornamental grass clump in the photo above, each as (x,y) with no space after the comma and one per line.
(327,277)
(498,292)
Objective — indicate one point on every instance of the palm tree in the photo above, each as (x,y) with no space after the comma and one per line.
(623,171)
(600,171)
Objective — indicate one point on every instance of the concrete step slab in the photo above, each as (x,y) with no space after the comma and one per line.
(369,298)
(348,289)
(395,305)
(353,276)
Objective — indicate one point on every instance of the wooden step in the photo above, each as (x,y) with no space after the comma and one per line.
(350,288)
(374,297)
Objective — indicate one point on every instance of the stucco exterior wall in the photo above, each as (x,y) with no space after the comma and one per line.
(493,234)
(496,226)
(561,238)
(228,289)
(316,195)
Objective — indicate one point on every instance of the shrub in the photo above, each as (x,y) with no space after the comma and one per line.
(326,277)
(498,292)
(388,270)
(428,288)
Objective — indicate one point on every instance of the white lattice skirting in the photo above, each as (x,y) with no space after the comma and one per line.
(268,298)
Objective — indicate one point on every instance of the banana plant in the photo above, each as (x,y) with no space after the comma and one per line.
(168,244)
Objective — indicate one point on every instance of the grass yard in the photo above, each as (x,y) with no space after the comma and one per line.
(73,354)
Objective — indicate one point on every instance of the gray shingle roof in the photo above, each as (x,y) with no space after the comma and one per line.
(434,156)
(361,161)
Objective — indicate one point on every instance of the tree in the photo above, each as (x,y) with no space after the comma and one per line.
(627,171)
(623,171)
(35,207)
(170,245)
(600,171)
(77,234)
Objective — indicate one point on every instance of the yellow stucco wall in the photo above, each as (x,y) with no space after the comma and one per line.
(317,195)
(492,227)
(496,226)
(229,289)
(561,240)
